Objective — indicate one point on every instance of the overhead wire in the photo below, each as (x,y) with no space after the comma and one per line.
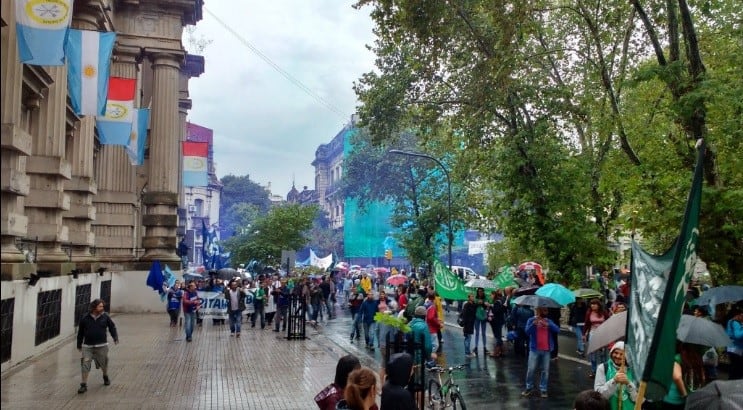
(299,84)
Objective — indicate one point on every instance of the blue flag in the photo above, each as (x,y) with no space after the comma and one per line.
(155,278)
(42,29)
(89,59)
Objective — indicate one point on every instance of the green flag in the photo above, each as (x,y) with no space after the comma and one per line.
(447,284)
(505,278)
(659,285)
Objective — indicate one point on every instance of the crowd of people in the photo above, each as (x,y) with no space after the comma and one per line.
(532,333)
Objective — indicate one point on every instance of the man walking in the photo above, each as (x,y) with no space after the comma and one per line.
(191,304)
(93,342)
(259,302)
(236,304)
(539,329)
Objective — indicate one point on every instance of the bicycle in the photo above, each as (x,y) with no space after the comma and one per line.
(446,394)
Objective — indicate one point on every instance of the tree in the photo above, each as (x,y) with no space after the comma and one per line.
(323,238)
(239,192)
(283,227)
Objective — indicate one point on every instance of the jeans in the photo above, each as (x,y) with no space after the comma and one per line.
(259,312)
(519,348)
(369,334)
(189,320)
(435,342)
(467,343)
(481,329)
(578,329)
(497,333)
(235,319)
(329,306)
(280,317)
(315,311)
(541,359)
(356,329)
(173,316)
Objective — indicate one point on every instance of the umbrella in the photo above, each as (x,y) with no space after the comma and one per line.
(700,331)
(721,294)
(381,270)
(528,290)
(355,267)
(187,277)
(718,395)
(481,283)
(556,292)
(587,293)
(536,301)
(397,280)
(611,330)
(227,273)
(530,266)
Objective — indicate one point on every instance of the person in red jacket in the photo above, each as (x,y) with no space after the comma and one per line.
(433,321)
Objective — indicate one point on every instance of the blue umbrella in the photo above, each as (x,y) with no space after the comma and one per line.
(557,292)
(721,294)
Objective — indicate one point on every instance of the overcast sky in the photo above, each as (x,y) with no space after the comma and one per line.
(264,125)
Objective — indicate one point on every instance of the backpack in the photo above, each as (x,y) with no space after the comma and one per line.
(409,312)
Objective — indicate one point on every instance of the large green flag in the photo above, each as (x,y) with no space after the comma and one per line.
(659,285)
(447,284)
(505,278)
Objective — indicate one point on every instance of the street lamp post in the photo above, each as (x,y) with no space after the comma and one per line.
(448,187)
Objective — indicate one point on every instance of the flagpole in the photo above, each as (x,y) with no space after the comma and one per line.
(640,395)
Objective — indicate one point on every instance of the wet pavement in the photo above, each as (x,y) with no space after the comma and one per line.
(153,368)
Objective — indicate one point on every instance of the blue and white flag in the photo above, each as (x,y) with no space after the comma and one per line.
(138,137)
(42,29)
(89,59)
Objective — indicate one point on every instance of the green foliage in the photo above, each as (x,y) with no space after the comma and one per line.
(283,227)
(392,321)
(242,200)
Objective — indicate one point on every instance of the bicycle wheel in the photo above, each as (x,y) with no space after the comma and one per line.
(434,394)
(457,400)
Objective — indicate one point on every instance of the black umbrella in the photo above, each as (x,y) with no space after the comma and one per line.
(227,274)
(525,291)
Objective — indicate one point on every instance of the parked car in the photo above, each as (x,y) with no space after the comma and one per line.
(466,273)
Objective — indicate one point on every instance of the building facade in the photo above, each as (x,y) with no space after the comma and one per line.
(76,214)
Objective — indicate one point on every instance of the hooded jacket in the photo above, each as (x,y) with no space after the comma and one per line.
(394,394)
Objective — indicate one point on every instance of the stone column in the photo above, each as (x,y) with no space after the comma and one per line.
(82,187)
(48,169)
(15,147)
(117,196)
(161,199)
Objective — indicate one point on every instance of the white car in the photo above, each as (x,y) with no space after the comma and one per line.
(466,273)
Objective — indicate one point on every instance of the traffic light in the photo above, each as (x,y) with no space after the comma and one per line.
(388,254)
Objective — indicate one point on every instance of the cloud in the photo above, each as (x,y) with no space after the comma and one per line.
(264,125)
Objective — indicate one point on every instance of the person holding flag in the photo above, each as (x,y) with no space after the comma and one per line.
(616,381)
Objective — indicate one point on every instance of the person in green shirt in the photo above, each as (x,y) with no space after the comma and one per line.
(615,380)
(259,302)
(688,375)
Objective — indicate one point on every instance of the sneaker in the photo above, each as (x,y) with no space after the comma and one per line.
(188,339)
(543,394)
(526,393)
(470,355)
(232,334)
(237,334)
(106,381)
(474,352)
(83,388)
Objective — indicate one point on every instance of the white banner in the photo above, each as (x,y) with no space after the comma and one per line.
(214,305)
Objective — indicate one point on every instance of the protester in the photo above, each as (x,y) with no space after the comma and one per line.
(539,329)
(518,318)
(281,296)
(615,380)
(354,304)
(270,307)
(467,316)
(595,316)
(497,318)
(259,304)
(191,304)
(361,390)
(481,321)
(433,321)
(734,329)
(688,375)
(394,394)
(174,302)
(419,333)
(367,310)
(576,319)
(554,315)
(591,400)
(328,398)
(235,297)
(93,342)
(440,313)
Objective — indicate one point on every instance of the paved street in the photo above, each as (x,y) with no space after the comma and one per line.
(153,367)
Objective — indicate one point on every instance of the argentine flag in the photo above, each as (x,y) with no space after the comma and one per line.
(115,127)
(42,29)
(138,137)
(88,62)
